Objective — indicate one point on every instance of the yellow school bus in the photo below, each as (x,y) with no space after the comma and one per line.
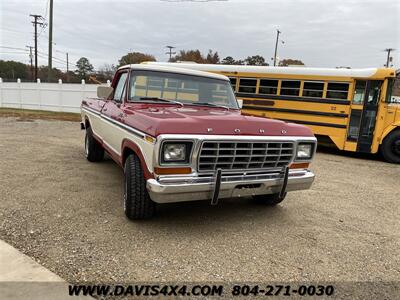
(351,109)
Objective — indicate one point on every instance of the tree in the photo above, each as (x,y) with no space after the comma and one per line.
(229,60)
(135,58)
(84,67)
(43,73)
(106,72)
(255,60)
(189,55)
(197,57)
(212,58)
(12,70)
(288,62)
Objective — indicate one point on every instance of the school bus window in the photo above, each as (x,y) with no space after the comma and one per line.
(359,92)
(290,88)
(155,83)
(171,83)
(337,90)
(374,93)
(390,86)
(268,87)
(313,89)
(190,85)
(233,83)
(247,85)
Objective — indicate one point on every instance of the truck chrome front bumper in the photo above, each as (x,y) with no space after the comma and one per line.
(168,189)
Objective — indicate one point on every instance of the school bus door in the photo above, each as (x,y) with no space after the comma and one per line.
(364,110)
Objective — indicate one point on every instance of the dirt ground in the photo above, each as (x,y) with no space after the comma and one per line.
(67,214)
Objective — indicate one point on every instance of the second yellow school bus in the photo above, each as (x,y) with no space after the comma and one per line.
(349,108)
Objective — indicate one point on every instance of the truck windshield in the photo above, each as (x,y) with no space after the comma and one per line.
(185,89)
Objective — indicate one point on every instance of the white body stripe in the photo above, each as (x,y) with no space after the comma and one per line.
(113,136)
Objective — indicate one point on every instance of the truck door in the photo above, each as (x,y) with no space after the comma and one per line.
(363,120)
(112,114)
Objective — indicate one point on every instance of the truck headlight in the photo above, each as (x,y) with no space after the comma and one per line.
(304,151)
(176,152)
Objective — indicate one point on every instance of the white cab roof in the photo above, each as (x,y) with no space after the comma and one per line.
(174,69)
(366,72)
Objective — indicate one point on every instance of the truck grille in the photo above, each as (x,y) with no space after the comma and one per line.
(244,155)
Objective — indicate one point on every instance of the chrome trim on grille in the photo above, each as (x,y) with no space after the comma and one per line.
(243,155)
(199,139)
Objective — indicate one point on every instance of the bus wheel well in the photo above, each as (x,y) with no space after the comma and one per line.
(390,147)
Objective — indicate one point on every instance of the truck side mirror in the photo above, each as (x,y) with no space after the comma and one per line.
(240,103)
(104,92)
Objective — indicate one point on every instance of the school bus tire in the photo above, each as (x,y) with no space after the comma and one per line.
(390,147)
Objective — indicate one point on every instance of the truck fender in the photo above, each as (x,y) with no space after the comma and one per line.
(129,147)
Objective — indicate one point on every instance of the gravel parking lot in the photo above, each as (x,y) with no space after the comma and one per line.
(67,214)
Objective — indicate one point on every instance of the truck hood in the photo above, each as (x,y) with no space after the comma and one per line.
(166,119)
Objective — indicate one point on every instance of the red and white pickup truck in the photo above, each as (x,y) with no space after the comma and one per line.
(180,136)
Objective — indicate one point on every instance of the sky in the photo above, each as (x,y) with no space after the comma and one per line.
(321,33)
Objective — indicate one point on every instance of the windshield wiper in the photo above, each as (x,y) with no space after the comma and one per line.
(161,100)
(209,104)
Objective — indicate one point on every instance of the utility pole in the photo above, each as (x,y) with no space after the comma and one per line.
(170,53)
(31,59)
(67,67)
(276,45)
(388,50)
(50,41)
(35,24)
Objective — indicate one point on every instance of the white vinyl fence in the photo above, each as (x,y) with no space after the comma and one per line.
(65,97)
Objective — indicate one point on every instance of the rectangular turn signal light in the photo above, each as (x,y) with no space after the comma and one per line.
(299,165)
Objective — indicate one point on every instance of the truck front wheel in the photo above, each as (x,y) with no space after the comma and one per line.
(137,202)
(390,147)
(270,200)
(93,150)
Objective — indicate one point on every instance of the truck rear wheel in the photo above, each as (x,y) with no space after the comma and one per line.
(269,200)
(390,147)
(93,150)
(137,202)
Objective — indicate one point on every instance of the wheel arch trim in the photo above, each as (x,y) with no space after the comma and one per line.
(128,146)
(389,130)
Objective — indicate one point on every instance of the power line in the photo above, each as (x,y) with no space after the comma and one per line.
(43,53)
(1,52)
(56,58)
(13,48)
